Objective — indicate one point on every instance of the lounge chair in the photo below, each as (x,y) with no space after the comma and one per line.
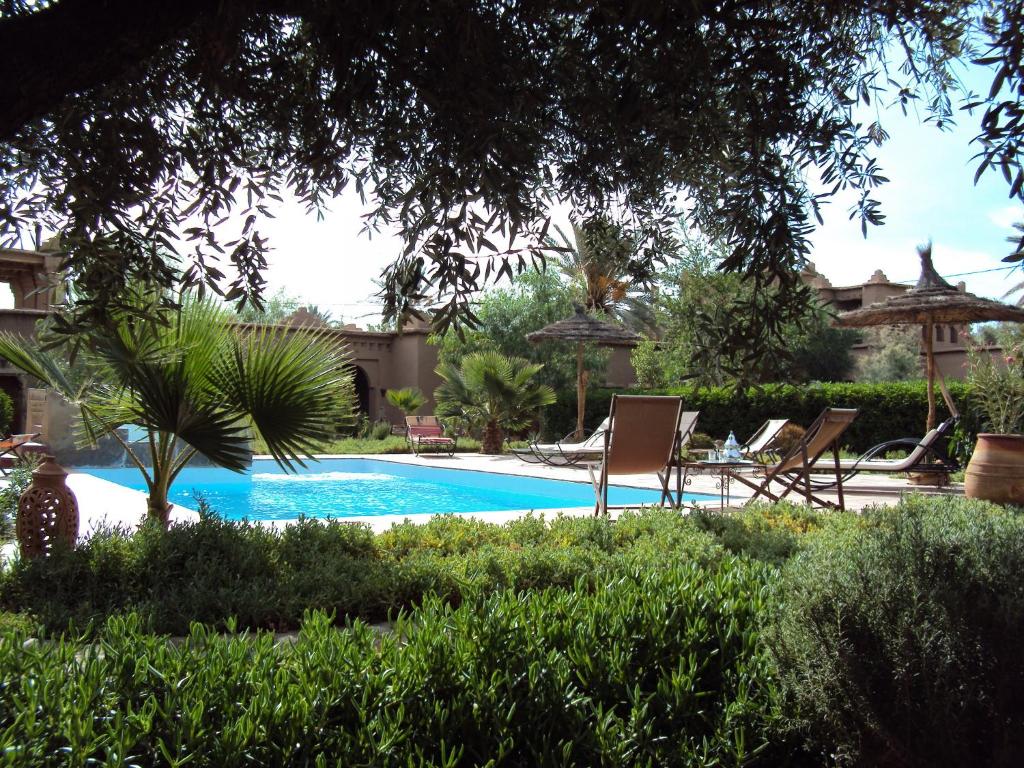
(760,444)
(565,453)
(794,470)
(426,434)
(9,449)
(927,455)
(642,436)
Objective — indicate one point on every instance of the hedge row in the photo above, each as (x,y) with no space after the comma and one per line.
(656,667)
(887,411)
(215,571)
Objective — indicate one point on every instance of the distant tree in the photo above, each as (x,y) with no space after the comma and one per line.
(706,340)
(504,318)
(605,269)
(408,400)
(493,393)
(275,309)
(895,354)
(648,365)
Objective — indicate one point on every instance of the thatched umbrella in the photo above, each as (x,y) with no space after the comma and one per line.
(583,329)
(931,301)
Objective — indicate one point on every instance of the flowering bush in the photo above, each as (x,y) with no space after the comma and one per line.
(998,389)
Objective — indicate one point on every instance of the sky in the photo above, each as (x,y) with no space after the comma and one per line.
(930,195)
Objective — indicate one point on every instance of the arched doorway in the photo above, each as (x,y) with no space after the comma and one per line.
(362,387)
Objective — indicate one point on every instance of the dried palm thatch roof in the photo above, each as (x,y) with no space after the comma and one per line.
(931,299)
(582,327)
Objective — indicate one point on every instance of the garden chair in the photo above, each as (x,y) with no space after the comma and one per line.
(9,449)
(564,453)
(927,455)
(760,444)
(794,470)
(643,436)
(426,434)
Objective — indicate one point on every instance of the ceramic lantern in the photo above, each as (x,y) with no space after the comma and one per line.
(47,511)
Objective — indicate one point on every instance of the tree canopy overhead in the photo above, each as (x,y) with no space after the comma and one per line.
(129,127)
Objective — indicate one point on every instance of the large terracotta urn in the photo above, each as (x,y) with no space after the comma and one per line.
(47,512)
(996,469)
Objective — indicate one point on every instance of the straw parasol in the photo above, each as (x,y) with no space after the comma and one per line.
(583,329)
(931,301)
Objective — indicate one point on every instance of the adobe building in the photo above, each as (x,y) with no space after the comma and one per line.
(393,360)
(31,277)
(949,344)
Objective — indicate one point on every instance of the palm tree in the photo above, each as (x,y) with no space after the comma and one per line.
(196,384)
(492,391)
(597,260)
(408,399)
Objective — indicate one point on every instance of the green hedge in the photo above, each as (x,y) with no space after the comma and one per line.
(215,571)
(651,668)
(887,411)
(6,412)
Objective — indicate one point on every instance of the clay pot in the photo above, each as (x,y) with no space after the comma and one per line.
(47,512)
(996,470)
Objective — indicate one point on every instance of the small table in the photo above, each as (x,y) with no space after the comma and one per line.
(726,470)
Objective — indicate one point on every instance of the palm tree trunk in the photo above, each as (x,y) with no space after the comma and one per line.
(158,508)
(493,437)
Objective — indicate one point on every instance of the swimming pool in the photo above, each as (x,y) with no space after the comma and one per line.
(368,488)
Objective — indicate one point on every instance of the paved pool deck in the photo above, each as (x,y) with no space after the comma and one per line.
(103,503)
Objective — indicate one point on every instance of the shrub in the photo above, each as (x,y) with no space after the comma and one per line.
(18,480)
(655,668)
(215,571)
(6,412)
(769,532)
(899,638)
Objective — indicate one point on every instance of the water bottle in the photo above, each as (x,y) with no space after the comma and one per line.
(732,448)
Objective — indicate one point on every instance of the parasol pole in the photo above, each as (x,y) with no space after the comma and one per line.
(930,368)
(581,390)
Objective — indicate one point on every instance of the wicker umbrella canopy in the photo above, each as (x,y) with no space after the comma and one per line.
(583,329)
(931,301)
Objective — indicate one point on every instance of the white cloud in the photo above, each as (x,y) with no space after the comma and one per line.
(1007,217)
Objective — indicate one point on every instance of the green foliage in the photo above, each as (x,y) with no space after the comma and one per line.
(506,316)
(769,532)
(707,337)
(214,570)
(899,638)
(998,389)
(896,355)
(18,480)
(275,309)
(6,412)
(661,668)
(463,140)
(408,399)
(607,271)
(493,393)
(646,359)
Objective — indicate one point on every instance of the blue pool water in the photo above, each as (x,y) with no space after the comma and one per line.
(370,487)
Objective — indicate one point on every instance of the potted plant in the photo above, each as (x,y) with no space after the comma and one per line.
(996,469)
